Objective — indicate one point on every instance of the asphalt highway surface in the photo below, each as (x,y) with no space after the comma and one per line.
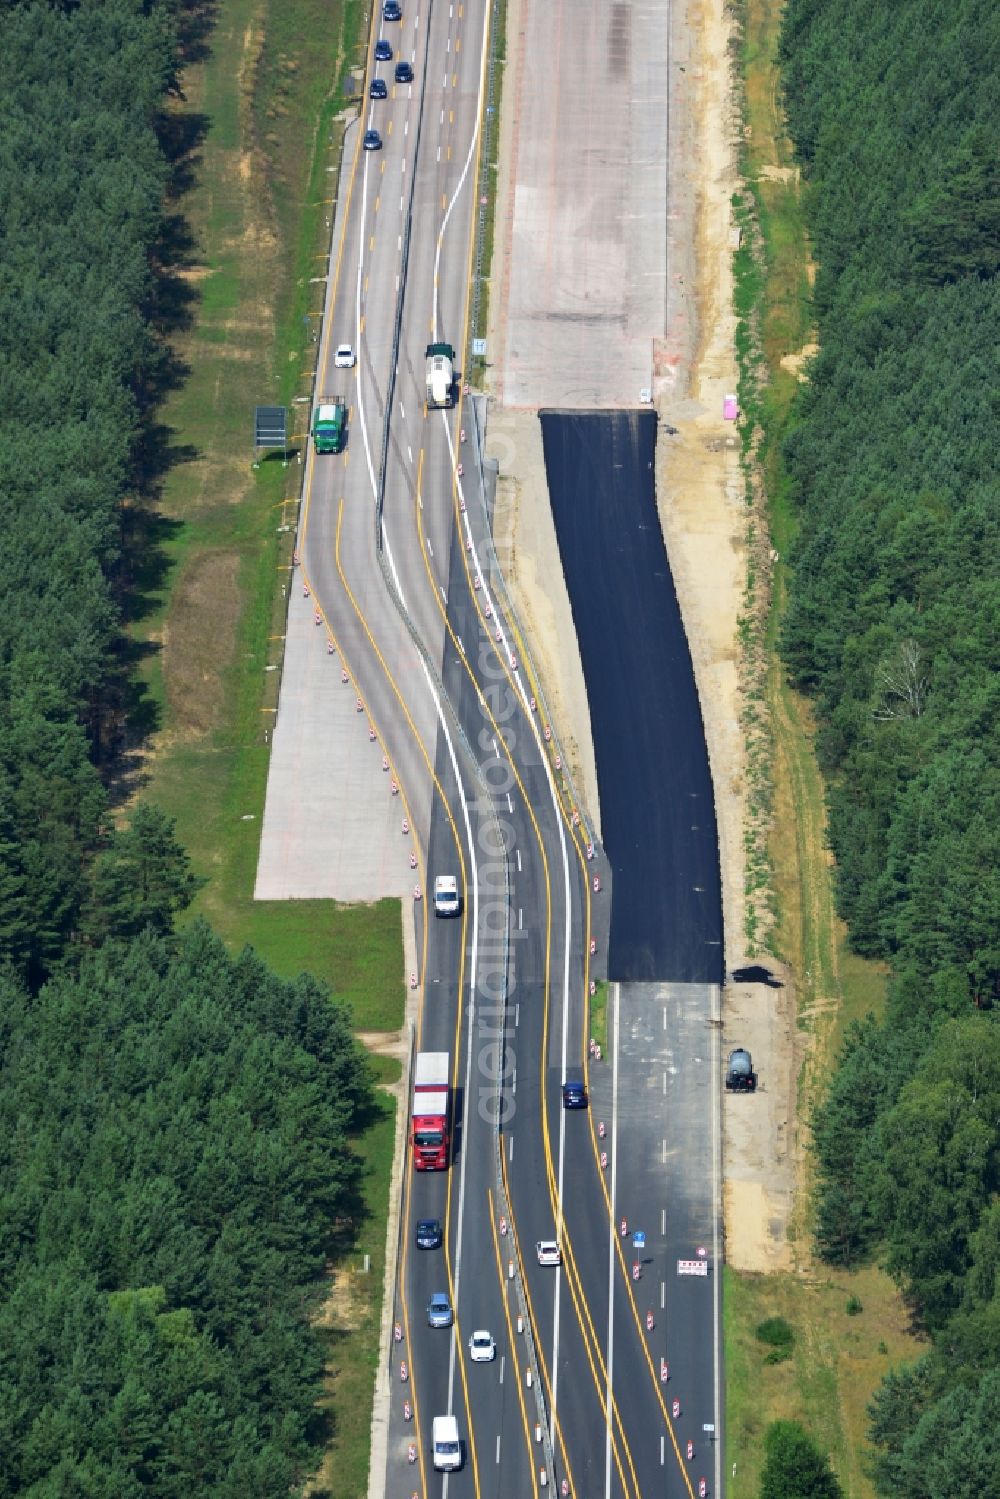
(657,802)
(394,549)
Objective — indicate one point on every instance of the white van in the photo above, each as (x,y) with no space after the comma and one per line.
(447,1448)
(447,901)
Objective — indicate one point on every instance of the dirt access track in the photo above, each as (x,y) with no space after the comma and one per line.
(700,494)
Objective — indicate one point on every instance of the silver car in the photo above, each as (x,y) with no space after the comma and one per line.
(439,1313)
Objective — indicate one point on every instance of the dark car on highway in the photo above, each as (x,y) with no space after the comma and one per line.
(383,52)
(392,11)
(428,1233)
(372,141)
(379,89)
(574,1093)
(404,73)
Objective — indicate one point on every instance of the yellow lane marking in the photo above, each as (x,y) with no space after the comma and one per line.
(511,1341)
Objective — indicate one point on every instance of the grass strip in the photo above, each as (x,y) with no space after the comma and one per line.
(837,1358)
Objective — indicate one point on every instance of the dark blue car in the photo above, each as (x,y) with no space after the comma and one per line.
(574,1093)
(383,52)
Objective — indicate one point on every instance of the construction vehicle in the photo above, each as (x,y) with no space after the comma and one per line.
(429,1133)
(740,1076)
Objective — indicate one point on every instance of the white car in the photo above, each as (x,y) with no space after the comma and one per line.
(482,1347)
(344,357)
(548,1252)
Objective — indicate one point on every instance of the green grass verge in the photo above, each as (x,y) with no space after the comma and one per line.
(837,1359)
(487,230)
(599,1016)
(270,92)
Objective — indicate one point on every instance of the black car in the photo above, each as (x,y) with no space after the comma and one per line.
(378,89)
(427,1234)
(392,11)
(372,141)
(404,73)
(574,1093)
(383,52)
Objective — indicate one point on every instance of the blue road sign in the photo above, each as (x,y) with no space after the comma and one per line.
(639,1239)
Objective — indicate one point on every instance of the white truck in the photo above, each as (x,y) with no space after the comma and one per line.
(446,897)
(440,375)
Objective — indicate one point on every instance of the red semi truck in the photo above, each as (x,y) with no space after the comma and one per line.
(429,1135)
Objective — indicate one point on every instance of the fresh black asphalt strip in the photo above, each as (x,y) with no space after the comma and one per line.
(657,804)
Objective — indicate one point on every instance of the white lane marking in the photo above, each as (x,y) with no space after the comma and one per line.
(498,1447)
(520,923)
(430,549)
(495,750)
(663,1220)
(663,1450)
(664,1017)
(517,1018)
(518,852)
(663,1152)
(525,695)
(406,128)
(663,1294)
(474,863)
(402,411)
(441,121)
(443,594)
(513,1083)
(664,1085)
(409,452)
(611,1246)
(510,804)
(503,1360)
(510,1152)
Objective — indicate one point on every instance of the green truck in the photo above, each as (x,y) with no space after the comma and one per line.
(329,429)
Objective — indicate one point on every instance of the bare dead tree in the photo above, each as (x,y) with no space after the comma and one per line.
(901,684)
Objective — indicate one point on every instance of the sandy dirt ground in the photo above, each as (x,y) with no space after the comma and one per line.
(700,496)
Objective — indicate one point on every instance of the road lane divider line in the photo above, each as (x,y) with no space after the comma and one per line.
(511,1340)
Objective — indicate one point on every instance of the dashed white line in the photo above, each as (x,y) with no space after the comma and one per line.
(663,1220)
(518,852)
(503,1361)
(498,1446)
(495,750)
(409,452)
(663,1151)
(402,411)
(663,1294)
(664,1017)
(517,1017)
(430,549)
(510,804)
(664,1083)
(663,1450)
(510,1152)
(520,921)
